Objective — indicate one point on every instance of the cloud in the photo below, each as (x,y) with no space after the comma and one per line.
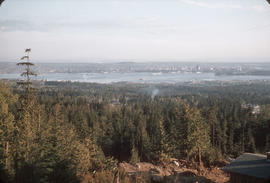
(196,3)
(211,4)
(50,25)
(227,5)
(8,25)
(260,8)
(143,24)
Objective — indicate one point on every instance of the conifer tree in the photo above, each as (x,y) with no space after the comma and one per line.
(27,122)
(250,142)
(6,128)
(28,73)
(174,132)
(195,133)
(224,128)
(212,117)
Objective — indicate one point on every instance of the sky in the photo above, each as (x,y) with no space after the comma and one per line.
(135,30)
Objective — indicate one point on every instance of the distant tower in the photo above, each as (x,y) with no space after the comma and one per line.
(198,68)
(240,69)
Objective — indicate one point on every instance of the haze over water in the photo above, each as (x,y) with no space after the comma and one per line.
(137,77)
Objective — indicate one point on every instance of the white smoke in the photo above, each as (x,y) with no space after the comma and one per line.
(154,93)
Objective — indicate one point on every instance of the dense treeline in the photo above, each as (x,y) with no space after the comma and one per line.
(61,134)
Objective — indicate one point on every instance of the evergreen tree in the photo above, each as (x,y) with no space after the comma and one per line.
(27,74)
(196,139)
(250,142)
(7,129)
(27,122)
(212,118)
(224,137)
(174,124)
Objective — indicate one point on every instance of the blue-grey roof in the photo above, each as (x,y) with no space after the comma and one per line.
(255,165)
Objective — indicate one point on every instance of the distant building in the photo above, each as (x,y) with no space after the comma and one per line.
(249,168)
(198,68)
(256,109)
(240,69)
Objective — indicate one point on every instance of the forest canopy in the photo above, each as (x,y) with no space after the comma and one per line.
(80,128)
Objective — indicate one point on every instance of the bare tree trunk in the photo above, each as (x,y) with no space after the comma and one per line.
(6,153)
(116,178)
(213,135)
(38,121)
(187,155)
(199,156)
(243,140)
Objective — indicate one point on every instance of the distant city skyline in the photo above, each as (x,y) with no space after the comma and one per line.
(136,30)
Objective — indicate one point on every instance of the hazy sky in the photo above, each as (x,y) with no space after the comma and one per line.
(136,30)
